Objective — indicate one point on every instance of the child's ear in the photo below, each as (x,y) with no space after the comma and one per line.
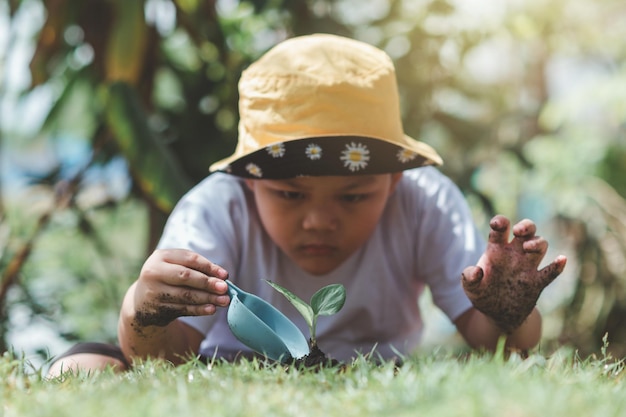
(250,184)
(395,179)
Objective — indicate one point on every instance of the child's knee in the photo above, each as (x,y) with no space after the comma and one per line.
(89,357)
(84,363)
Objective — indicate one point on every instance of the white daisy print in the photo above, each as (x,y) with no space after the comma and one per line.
(254,169)
(355,156)
(405,155)
(313,151)
(277,150)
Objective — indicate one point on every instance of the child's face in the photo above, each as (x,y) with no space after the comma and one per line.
(320,221)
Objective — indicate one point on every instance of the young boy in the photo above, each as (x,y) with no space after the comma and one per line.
(324,187)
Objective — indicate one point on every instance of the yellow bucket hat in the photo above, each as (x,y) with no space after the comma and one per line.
(322,105)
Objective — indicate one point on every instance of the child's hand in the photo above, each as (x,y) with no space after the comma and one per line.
(506,284)
(176,282)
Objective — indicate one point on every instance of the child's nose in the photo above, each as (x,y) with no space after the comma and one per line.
(322,217)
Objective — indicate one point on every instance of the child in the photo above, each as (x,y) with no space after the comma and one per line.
(324,187)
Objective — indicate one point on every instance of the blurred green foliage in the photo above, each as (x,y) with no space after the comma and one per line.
(524,100)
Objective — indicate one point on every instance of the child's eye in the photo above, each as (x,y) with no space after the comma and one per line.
(353,198)
(290,195)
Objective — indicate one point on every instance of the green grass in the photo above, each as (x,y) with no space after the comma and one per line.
(430,385)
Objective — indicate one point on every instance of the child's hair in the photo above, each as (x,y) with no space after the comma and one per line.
(322,105)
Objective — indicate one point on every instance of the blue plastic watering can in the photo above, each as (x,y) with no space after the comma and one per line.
(263,328)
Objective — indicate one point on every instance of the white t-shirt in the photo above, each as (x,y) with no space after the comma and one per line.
(426,237)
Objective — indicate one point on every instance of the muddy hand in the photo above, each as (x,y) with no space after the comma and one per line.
(506,284)
(176,282)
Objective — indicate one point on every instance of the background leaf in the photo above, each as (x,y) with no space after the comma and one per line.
(154,169)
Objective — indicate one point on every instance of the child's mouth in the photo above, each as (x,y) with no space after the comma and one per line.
(317,250)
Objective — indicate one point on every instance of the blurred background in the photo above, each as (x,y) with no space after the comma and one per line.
(111,109)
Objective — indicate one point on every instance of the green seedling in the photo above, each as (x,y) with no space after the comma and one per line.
(326,301)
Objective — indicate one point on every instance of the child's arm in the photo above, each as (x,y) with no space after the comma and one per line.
(504,287)
(479,331)
(172,283)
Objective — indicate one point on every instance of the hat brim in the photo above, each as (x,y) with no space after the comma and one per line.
(329,156)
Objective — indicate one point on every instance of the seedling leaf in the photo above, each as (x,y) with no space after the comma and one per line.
(298,303)
(328,300)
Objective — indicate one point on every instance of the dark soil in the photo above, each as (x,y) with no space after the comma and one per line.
(316,360)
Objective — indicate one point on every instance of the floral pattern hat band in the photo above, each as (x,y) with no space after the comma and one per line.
(322,105)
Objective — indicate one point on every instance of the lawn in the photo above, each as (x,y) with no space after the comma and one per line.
(426,385)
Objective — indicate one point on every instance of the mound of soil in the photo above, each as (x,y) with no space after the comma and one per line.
(316,359)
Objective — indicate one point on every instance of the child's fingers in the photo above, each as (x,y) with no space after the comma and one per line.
(174,275)
(164,304)
(194,261)
(189,296)
(471,278)
(523,232)
(185,268)
(500,227)
(163,314)
(550,272)
(535,244)
(525,229)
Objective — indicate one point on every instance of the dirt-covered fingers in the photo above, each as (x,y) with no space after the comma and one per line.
(164,305)
(536,245)
(191,297)
(471,278)
(181,275)
(550,272)
(184,268)
(193,260)
(181,288)
(500,229)
(174,283)
(533,247)
(524,229)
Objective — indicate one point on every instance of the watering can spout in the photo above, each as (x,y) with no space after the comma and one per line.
(234,291)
